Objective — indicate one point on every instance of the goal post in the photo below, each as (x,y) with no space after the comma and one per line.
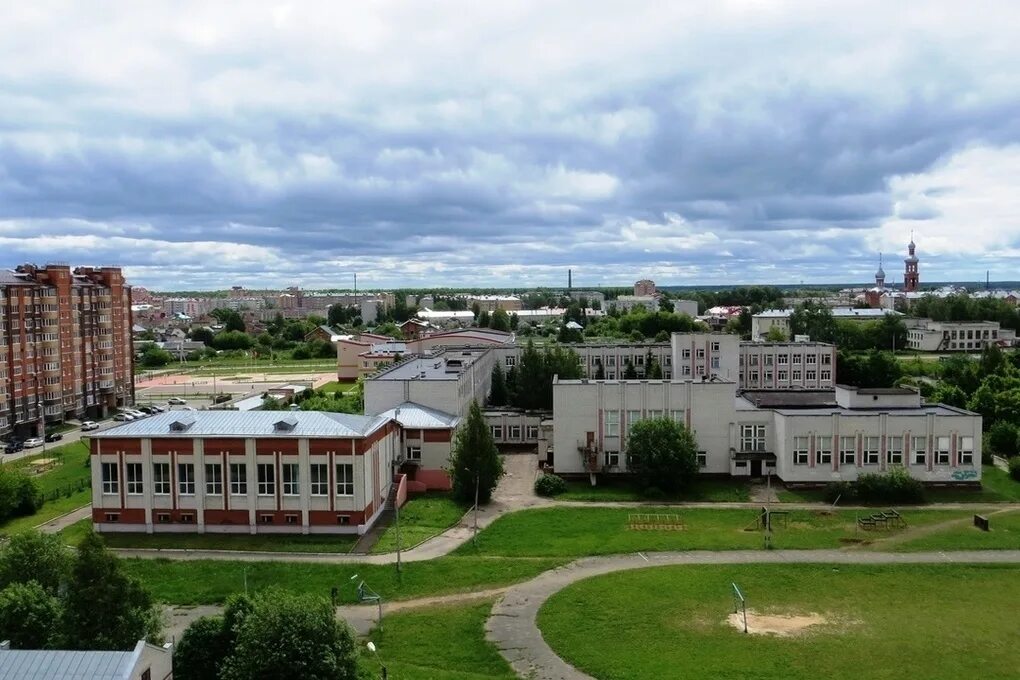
(739,604)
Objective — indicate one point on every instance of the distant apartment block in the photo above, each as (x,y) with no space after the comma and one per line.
(644,288)
(65,345)
(490,303)
(956,336)
(763,322)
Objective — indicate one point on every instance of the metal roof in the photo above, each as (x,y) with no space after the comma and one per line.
(26,664)
(248,424)
(417,417)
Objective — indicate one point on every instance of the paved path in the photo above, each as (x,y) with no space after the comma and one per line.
(512,626)
(58,523)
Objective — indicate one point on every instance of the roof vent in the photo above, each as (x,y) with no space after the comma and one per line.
(285,424)
(182,424)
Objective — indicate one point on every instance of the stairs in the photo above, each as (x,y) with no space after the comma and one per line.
(368,539)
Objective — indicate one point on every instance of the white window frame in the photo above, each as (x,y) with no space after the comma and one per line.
(186,479)
(532,432)
(238,479)
(677,415)
(823,449)
(848,450)
(612,459)
(611,423)
(965,447)
(920,453)
(214,479)
(894,450)
(161,479)
(801,453)
(266,479)
(702,457)
(111,479)
(753,437)
(413,452)
(345,479)
(497,432)
(318,478)
(633,417)
(871,450)
(942,451)
(290,474)
(135,480)
(514,433)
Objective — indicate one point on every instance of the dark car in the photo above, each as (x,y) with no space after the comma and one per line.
(14,447)
(54,437)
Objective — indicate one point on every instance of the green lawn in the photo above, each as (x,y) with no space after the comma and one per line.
(261,542)
(436,643)
(706,490)
(1003,534)
(50,510)
(211,581)
(579,531)
(335,385)
(66,487)
(421,518)
(919,621)
(996,487)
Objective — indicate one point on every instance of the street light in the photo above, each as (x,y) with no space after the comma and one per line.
(372,648)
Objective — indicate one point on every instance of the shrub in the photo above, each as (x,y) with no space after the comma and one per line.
(841,491)
(895,486)
(1014,468)
(1002,438)
(550,485)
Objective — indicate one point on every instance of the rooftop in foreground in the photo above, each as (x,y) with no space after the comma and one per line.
(247,424)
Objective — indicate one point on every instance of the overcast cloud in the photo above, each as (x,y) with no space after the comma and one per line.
(498,144)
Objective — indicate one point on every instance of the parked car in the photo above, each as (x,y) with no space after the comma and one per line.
(135,413)
(14,447)
(156,408)
(123,417)
(33,442)
(176,401)
(88,425)
(53,437)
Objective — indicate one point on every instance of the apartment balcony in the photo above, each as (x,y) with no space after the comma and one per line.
(106,385)
(52,398)
(53,411)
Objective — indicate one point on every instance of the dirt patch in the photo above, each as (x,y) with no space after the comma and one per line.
(776,624)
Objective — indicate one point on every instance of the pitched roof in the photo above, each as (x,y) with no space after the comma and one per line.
(247,424)
(418,417)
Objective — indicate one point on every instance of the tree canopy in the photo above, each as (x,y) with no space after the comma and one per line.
(474,459)
(662,454)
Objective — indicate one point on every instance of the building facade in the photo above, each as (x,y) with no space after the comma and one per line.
(927,335)
(243,472)
(764,321)
(644,288)
(65,345)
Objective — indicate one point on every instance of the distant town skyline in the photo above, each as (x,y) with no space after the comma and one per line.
(499,144)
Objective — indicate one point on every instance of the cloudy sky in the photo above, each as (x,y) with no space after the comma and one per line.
(498,144)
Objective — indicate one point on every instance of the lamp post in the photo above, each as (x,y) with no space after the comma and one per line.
(372,648)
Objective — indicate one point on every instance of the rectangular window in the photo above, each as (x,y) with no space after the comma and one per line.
(826,360)
(344,479)
(267,479)
(942,450)
(319,474)
(186,479)
(612,423)
(715,346)
(161,479)
(111,478)
(811,359)
(767,360)
(752,360)
(654,415)
(515,433)
(823,449)
(797,359)
(870,453)
(966,451)
(800,450)
(848,450)
(702,459)
(291,479)
(783,359)
(685,354)
(686,370)
(511,361)
(826,375)
(677,416)
(701,353)
(135,486)
(414,453)
(782,376)
(715,362)
(497,432)
(239,479)
(632,418)
(532,432)
(796,376)
(214,479)
(894,450)
(612,458)
(810,375)
(919,447)
(752,437)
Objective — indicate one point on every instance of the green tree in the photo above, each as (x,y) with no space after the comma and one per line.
(600,372)
(483,319)
(28,615)
(662,336)
(1002,438)
(284,636)
(35,556)
(230,319)
(154,357)
(629,372)
(653,370)
(201,651)
(203,335)
(662,453)
(19,494)
(104,608)
(776,334)
(497,391)
(531,378)
(500,321)
(233,340)
(813,319)
(474,461)
(950,395)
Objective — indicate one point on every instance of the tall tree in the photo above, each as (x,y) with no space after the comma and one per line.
(28,615)
(104,608)
(497,391)
(662,454)
(531,378)
(629,372)
(500,321)
(203,648)
(474,461)
(34,556)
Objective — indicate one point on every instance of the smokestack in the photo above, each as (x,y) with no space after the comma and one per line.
(987,280)
(570,280)
(355,287)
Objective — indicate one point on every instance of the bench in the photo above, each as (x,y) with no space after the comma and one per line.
(981,522)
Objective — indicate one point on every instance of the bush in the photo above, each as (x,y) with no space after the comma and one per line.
(19,494)
(1014,468)
(895,486)
(841,491)
(550,485)
(1002,438)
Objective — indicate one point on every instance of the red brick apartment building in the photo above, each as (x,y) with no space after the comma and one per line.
(65,345)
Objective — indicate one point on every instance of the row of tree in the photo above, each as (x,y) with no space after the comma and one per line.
(529,384)
(815,320)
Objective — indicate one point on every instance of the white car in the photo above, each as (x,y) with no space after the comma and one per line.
(32,442)
(89,425)
(134,413)
(123,417)
(176,401)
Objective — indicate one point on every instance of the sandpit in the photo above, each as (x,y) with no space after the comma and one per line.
(776,624)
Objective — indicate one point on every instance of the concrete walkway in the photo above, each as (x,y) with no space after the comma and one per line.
(59,523)
(512,626)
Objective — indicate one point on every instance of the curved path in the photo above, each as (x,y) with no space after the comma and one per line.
(513,628)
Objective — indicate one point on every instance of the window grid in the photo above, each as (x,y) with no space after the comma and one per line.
(111,478)
(186,479)
(238,479)
(214,479)
(291,479)
(266,479)
(344,479)
(135,485)
(161,479)
(318,474)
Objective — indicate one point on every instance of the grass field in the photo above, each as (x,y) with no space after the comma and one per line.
(211,581)
(709,490)
(66,487)
(437,643)
(996,487)
(1004,534)
(918,621)
(421,518)
(335,385)
(575,532)
(182,541)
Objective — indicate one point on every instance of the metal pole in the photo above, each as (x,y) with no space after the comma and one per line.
(396,515)
(475,536)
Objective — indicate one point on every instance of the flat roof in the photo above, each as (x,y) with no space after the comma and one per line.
(591,381)
(790,398)
(837,312)
(248,424)
(433,367)
(923,409)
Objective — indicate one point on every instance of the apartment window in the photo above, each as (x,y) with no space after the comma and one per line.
(532,432)
(701,354)
(239,479)
(291,479)
(768,376)
(319,475)
(894,450)
(702,459)
(826,360)
(611,423)
(511,361)
(344,479)
(811,359)
(639,360)
(754,376)
(111,478)
(783,375)
(414,453)
(497,432)
(676,415)
(919,447)
(823,449)
(161,479)
(871,450)
(612,458)
(966,451)
(800,450)
(134,479)
(752,437)
(685,354)
(783,359)
(810,375)
(826,375)
(214,479)
(796,376)
(611,361)
(797,358)
(632,418)
(686,370)
(752,360)
(654,415)
(515,433)
(767,360)
(715,362)
(848,450)
(186,479)
(942,450)
(266,479)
